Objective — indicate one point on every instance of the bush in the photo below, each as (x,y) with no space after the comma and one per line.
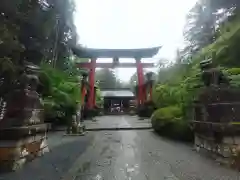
(60,94)
(168,122)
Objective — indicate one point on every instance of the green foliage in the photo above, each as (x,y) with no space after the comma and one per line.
(168,121)
(107,79)
(205,20)
(235,80)
(234,76)
(99,99)
(178,84)
(61,94)
(166,114)
(34,31)
(233,71)
(199,30)
(165,94)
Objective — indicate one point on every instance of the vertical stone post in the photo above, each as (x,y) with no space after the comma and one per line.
(22,129)
(83,89)
(91,83)
(144,98)
(83,95)
(150,91)
(140,80)
(149,77)
(94,97)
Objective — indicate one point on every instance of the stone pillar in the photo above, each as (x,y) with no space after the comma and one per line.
(145,92)
(94,97)
(91,84)
(83,89)
(140,80)
(150,80)
(83,96)
(150,91)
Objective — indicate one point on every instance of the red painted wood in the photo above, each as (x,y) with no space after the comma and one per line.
(112,65)
(91,83)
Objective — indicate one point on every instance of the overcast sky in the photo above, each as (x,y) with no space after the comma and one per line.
(132,24)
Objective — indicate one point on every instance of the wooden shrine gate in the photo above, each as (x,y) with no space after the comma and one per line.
(115,54)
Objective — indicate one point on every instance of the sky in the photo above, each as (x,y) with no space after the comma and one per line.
(126,24)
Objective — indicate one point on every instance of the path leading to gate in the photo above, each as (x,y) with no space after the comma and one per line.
(121,155)
(118,122)
(143,155)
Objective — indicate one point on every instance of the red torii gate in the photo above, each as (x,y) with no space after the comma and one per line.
(115,54)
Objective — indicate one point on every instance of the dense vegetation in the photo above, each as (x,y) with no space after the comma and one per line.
(107,79)
(41,33)
(212,31)
(60,94)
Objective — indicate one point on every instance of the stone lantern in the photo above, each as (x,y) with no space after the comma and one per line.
(22,129)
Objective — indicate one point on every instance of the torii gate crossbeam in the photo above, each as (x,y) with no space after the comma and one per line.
(115,54)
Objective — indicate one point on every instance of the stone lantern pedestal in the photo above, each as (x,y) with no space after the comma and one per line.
(22,129)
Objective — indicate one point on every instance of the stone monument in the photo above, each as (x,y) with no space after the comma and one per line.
(216,116)
(22,129)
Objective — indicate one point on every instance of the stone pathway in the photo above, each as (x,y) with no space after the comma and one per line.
(143,155)
(120,122)
(53,165)
(120,155)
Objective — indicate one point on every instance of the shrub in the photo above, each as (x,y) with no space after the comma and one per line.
(60,94)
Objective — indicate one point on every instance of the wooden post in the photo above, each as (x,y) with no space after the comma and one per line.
(140,80)
(91,83)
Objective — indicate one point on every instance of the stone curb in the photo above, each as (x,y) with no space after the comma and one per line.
(108,129)
(82,134)
(118,128)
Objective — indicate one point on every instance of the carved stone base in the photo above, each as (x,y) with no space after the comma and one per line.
(15,153)
(227,152)
(76,130)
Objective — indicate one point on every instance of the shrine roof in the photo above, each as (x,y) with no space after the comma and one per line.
(117,93)
(114,53)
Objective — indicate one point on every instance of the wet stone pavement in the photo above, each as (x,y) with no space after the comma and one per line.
(121,155)
(118,122)
(55,164)
(143,155)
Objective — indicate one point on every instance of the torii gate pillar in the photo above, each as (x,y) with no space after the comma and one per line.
(91,100)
